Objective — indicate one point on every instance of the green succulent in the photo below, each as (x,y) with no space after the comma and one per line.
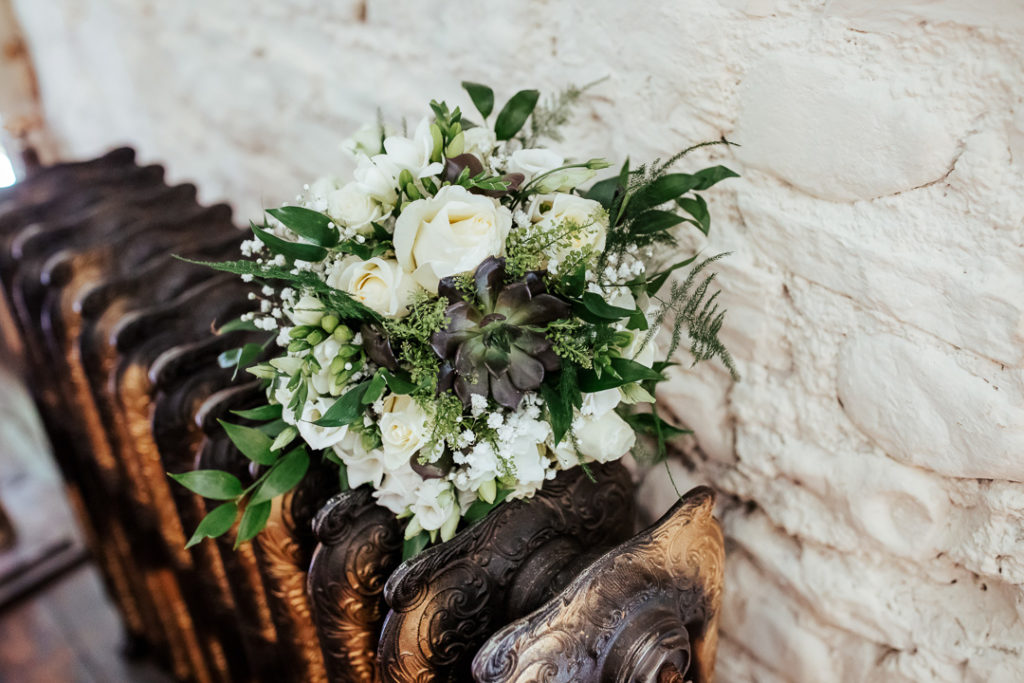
(494,344)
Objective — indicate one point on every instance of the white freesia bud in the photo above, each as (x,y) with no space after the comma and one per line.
(352,207)
(307,311)
(533,162)
(556,212)
(403,429)
(565,179)
(435,503)
(479,141)
(453,232)
(365,142)
(379,283)
(318,438)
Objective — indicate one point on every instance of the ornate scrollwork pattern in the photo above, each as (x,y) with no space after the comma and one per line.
(447,600)
(645,611)
(360,545)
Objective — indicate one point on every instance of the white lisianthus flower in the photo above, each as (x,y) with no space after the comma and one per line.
(307,311)
(379,283)
(318,438)
(606,438)
(352,207)
(403,429)
(479,141)
(378,178)
(413,155)
(398,490)
(365,142)
(453,232)
(556,211)
(435,504)
(534,162)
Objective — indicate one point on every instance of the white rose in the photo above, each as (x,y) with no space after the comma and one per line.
(352,207)
(403,429)
(319,190)
(599,403)
(435,504)
(556,211)
(316,436)
(479,142)
(398,490)
(534,162)
(379,283)
(363,466)
(307,311)
(450,233)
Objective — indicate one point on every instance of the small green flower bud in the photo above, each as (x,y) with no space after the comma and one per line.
(315,337)
(338,365)
(263,371)
(456,147)
(435,133)
(298,345)
(286,436)
(329,323)
(300,331)
(413,528)
(342,334)
(487,491)
(348,351)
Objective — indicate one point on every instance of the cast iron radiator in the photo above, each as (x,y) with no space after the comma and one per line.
(117,340)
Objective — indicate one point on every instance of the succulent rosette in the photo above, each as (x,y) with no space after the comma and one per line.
(458,320)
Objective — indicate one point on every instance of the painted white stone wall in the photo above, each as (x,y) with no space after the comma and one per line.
(871,461)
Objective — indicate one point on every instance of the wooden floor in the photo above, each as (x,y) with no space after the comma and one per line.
(64,628)
(68,631)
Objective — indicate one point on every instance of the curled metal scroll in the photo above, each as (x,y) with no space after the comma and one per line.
(360,545)
(645,611)
(446,601)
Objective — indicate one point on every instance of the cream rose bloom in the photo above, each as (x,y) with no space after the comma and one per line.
(352,207)
(403,429)
(554,211)
(479,141)
(453,232)
(398,490)
(379,283)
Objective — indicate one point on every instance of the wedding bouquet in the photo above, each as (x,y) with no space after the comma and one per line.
(458,321)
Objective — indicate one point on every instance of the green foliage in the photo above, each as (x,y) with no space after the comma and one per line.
(251,442)
(481,508)
(316,227)
(692,309)
(282,477)
(347,409)
(253,520)
(217,522)
(415,545)
(296,251)
(482,96)
(514,114)
(212,484)
(571,340)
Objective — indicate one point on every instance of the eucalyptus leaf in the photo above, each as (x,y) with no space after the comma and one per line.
(216,523)
(316,227)
(292,250)
(253,520)
(283,476)
(482,96)
(514,114)
(253,443)
(212,484)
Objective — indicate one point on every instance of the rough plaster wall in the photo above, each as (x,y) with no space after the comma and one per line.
(871,459)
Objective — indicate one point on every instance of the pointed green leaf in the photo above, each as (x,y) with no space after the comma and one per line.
(313,225)
(559,411)
(658,281)
(482,96)
(376,388)
(283,476)
(212,484)
(711,176)
(262,413)
(514,114)
(697,208)
(415,545)
(346,409)
(480,508)
(596,305)
(216,523)
(292,250)
(664,189)
(253,443)
(397,384)
(622,371)
(237,324)
(253,520)
(653,221)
